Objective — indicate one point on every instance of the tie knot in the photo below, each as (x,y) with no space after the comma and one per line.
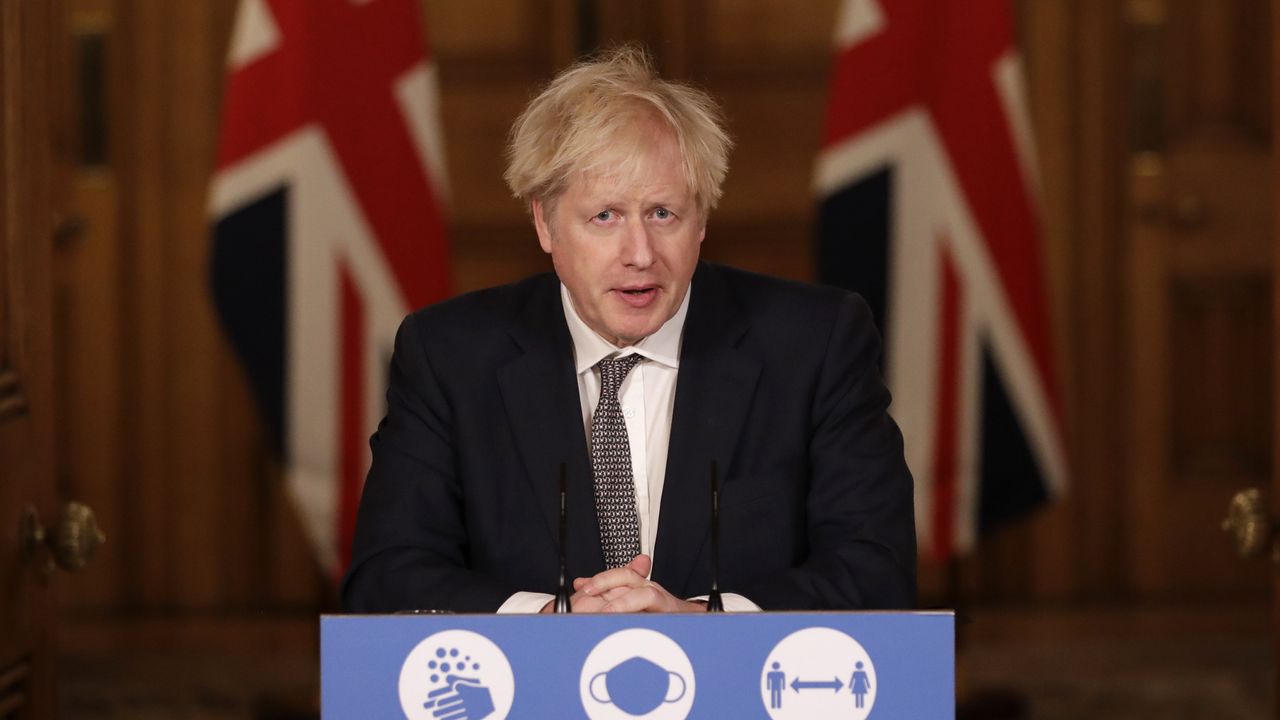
(614,370)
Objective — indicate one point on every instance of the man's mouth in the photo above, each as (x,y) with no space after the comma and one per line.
(638,297)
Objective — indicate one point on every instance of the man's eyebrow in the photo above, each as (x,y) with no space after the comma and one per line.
(669,203)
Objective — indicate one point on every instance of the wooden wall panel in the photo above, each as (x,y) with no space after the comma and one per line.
(157,427)
(29,187)
(763,31)
(200,476)
(476,120)
(483,29)
(776,129)
(1098,454)
(1200,241)
(145,486)
(1213,415)
(88,367)
(1220,61)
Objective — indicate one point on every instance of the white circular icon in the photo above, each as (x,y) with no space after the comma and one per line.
(456,674)
(637,673)
(818,672)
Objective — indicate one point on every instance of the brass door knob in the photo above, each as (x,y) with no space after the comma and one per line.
(70,544)
(1250,524)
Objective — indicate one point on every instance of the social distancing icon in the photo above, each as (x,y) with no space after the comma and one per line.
(818,673)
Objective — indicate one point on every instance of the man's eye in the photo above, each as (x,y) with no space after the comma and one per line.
(662,213)
(604,216)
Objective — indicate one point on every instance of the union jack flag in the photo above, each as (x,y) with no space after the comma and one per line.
(927,188)
(328,227)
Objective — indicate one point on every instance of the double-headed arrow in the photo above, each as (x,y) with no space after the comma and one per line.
(834,685)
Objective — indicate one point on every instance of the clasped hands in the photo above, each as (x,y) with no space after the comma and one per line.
(626,589)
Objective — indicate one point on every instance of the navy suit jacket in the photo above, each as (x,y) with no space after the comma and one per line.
(778,383)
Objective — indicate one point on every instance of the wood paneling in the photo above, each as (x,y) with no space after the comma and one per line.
(485,29)
(28,191)
(1199,236)
(1097,304)
(1275,335)
(157,429)
(766,32)
(1219,391)
(1217,63)
(1152,125)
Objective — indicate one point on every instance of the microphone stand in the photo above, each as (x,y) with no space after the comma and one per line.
(714,602)
(562,592)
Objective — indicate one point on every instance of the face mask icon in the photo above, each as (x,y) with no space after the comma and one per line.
(637,686)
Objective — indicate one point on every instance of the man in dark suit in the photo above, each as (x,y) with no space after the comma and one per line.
(636,366)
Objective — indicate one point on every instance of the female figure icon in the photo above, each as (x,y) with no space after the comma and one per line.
(859,684)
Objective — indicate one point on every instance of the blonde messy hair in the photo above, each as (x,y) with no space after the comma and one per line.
(606,103)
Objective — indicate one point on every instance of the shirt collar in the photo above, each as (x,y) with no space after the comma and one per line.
(663,346)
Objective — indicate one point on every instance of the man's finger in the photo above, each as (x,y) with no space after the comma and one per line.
(611,595)
(641,565)
(641,599)
(618,577)
(581,603)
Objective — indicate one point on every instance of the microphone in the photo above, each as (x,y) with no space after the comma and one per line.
(562,592)
(714,601)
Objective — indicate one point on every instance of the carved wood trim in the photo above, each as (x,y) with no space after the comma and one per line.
(8,225)
(13,688)
(12,400)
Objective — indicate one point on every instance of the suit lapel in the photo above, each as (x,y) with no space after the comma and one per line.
(540,392)
(714,391)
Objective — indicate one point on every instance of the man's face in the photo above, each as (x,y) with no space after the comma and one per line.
(626,244)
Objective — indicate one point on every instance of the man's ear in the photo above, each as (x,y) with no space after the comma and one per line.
(541,226)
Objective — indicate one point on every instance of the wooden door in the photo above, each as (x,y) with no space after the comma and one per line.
(1199,273)
(26,424)
(1275,340)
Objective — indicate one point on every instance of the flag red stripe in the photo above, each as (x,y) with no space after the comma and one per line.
(324,73)
(945,442)
(971,120)
(351,426)
(879,76)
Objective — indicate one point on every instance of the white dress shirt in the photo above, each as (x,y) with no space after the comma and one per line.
(647,397)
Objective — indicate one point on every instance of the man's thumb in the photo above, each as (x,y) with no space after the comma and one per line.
(641,565)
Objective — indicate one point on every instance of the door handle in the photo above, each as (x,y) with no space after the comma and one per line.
(71,542)
(1251,525)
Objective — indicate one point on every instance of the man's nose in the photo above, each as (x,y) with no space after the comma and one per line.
(637,246)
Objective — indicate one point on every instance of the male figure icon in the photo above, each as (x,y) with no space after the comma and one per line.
(776,681)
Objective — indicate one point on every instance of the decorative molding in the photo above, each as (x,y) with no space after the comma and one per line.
(13,402)
(13,687)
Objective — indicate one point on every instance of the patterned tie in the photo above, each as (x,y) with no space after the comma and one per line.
(611,467)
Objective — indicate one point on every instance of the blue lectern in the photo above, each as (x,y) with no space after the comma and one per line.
(783,666)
